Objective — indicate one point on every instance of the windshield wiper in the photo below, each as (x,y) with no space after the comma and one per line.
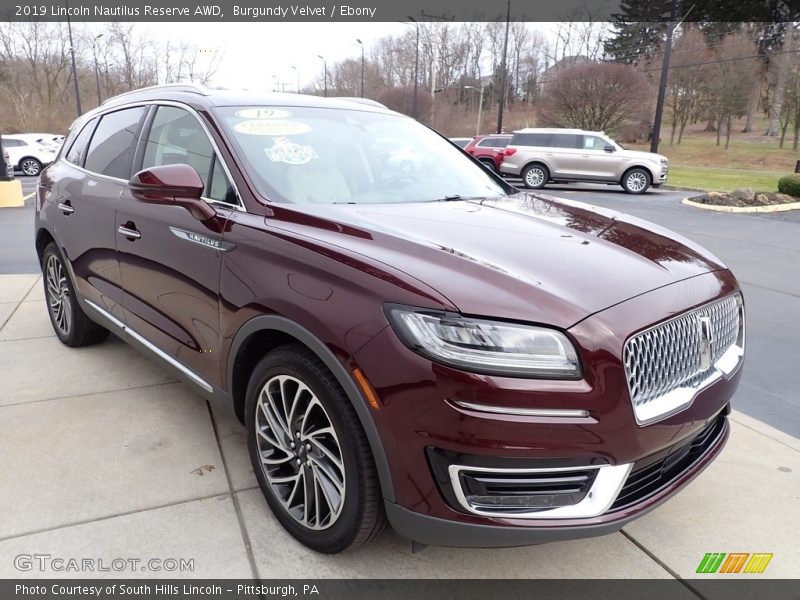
(456,197)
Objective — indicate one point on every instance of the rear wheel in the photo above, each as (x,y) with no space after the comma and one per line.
(310,454)
(70,323)
(535,176)
(30,166)
(636,181)
(489,164)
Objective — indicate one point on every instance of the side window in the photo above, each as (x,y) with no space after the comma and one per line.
(114,142)
(591,142)
(568,140)
(176,137)
(488,142)
(79,145)
(8,143)
(533,139)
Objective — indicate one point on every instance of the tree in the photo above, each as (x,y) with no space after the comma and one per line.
(596,96)
(685,84)
(638,30)
(731,81)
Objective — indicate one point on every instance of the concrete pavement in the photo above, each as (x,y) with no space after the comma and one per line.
(105,456)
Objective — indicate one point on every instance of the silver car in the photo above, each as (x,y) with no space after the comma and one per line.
(540,156)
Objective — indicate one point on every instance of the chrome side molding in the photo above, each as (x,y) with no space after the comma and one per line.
(154,349)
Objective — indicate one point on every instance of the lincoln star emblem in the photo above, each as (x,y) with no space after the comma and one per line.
(706,337)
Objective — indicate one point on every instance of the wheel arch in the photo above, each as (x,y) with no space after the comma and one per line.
(263,333)
(43,237)
(636,166)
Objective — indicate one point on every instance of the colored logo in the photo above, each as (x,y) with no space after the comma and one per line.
(735,562)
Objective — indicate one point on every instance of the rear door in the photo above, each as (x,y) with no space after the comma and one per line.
(170,261)
(95,171)
(564,154)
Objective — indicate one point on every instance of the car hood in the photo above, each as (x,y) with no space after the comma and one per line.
(639,155)
(525,257)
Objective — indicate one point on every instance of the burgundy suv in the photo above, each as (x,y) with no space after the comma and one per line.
(475,365)
(489,149)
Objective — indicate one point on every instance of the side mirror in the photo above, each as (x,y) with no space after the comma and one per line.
(178,185)
(609,149)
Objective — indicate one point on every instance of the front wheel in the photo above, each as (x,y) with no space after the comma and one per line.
(535,176)
(310,454)
(30,166)
(636,181)
(70,323)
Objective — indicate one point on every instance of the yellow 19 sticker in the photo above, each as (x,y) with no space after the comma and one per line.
(263,113)
(273,127)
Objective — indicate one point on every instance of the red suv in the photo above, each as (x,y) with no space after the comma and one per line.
(432,348)
(489,149)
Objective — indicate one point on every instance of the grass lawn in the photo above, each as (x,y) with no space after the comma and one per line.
(724,180)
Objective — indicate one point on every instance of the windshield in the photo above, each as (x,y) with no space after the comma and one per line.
(326,155)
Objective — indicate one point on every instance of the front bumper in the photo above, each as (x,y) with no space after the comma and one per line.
(423,408)
(444,532)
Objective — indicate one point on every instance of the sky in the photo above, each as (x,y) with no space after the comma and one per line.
(253,52)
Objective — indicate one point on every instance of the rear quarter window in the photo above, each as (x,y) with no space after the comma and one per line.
(75,152)
(531,139)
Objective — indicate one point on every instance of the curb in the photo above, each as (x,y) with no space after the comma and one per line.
(743,209)
(678,188)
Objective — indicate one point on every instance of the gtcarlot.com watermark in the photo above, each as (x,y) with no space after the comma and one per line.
(69,564)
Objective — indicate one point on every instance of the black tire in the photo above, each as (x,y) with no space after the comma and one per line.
(30,166)
(489,163)
(535,176)
(361,516)
(636,181)
(70,323)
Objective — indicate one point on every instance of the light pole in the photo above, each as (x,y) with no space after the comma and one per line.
(325,67)
(360,43)
(96,68)
(74,68)
(503,63)
(480,106)
(298,77)
(416,70)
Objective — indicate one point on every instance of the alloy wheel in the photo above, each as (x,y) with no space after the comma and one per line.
(534,177)
(300,453)
(30,167)
(637,181)
(58,298)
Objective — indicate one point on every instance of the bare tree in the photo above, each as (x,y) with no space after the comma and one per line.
(687,79)
(732,81)
(596,96)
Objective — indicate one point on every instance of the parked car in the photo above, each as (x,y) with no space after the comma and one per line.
(26,155)
(461,142)
(475,365)
(45,139)
(489,149)
(543,155)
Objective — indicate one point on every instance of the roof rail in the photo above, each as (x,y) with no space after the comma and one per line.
(193,88)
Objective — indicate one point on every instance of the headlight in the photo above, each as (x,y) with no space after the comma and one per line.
(482,346)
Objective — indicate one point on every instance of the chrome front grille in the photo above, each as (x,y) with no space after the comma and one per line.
(669,363)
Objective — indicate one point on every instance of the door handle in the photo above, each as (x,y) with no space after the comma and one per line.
(66,207)
(131,234)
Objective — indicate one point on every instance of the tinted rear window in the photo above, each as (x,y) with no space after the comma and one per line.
(531,139)
(493,142)
(114,142)
(567,140)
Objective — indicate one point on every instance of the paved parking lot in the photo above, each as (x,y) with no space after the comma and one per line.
(105,456)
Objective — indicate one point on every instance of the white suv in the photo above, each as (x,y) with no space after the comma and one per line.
(28,155)
(543,155)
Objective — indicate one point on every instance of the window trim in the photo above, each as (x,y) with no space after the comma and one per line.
(147,121)
(91,124)
(145,132)
(99,117)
